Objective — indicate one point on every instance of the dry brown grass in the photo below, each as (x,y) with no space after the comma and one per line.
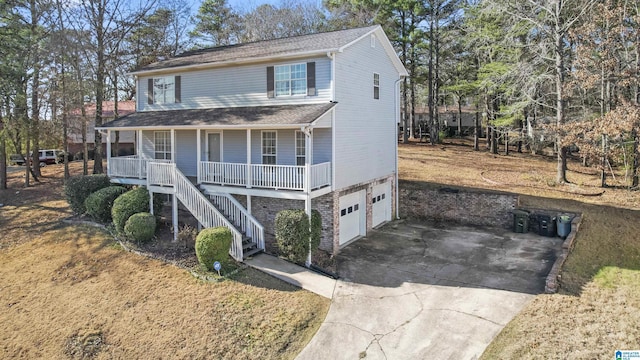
(68,291)
(597,310)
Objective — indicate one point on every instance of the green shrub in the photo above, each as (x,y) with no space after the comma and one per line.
(213,244)
(99,203)
(78,188)
(140,227)
(133,202)
(292,233)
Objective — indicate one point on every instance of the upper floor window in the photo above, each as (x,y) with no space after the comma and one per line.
(269,147)
(376,86)
(162,145)
(300,148)
(164,90)
(291,80)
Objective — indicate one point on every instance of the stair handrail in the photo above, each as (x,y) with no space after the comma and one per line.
(201,208)
(247,222)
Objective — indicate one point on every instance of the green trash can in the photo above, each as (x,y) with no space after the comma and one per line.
(520,221)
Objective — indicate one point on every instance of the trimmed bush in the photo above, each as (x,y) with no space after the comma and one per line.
(99,203)
(133,202)
(78,188)
(292,233)
(213,244)
(140,227)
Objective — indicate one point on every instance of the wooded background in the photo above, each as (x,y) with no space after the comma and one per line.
(570,66)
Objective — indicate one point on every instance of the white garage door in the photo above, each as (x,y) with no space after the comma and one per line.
(352,215)
(381,203)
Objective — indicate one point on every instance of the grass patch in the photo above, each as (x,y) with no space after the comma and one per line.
(69,291)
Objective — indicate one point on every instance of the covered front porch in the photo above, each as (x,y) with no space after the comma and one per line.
(291,157)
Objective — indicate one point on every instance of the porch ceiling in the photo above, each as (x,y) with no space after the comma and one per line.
(233,117)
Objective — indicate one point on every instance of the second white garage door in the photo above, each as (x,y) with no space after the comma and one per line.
(352,216)
(381,204)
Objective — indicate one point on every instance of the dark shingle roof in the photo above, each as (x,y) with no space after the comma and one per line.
(260,49)
(235,116)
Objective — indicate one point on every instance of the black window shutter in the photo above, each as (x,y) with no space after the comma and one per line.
(270,82)
(311,79)
(150,91)
(178,90)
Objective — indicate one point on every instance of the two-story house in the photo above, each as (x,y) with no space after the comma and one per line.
(238,133)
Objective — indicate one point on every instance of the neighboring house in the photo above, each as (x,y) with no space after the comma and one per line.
(448,117)
(306,122)
(127,138)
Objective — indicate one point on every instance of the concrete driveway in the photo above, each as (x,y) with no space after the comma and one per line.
(410,291)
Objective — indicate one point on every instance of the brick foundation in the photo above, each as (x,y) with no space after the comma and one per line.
(265,210)
(420,200)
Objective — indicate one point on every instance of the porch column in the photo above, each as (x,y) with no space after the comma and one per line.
(173,145)
(108,152)
(139,153)
(248,158)
(307,182)
(199,154)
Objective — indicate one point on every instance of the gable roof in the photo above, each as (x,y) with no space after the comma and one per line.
(235,117)
(303,45)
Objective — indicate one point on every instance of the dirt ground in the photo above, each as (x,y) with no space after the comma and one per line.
(598,308)
(69,291)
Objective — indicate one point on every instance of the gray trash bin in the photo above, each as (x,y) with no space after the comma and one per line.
(564,225)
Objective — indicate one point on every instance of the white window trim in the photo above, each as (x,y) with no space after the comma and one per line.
(262,154)
(376,86)
(165,151)
(275,80)
(163,101)
(206,143)
(295,141)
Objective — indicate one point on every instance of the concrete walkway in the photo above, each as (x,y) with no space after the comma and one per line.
(294,274)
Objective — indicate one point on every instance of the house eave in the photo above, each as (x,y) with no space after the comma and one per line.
(228,63)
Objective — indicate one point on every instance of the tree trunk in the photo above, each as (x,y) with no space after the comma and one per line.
(561,175)
(433,131)
(3,155)
(116,145)
(494,141)
(476,130)
(99,85)
(460,115)
(636,155)
(603,163)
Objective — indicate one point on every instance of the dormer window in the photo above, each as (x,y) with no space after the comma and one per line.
(164,90)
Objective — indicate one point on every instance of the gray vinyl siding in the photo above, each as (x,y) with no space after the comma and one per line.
(236,86)
(321,146)
(234,143)
(186,150)
(365,128)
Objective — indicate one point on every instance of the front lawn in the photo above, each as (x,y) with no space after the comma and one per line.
(70,291)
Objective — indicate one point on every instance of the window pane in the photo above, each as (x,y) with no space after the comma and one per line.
(299,87)
(282,88)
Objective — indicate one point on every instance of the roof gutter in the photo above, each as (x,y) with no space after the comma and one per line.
(247,61)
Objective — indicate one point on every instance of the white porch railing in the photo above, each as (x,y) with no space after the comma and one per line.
(280,177)
(166,174)
(130,166)
(241,218)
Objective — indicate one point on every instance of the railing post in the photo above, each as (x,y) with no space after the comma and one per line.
(108,152)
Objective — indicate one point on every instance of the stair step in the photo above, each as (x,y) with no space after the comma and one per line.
(246,254)
(248,245)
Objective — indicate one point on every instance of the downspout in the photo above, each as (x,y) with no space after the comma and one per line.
(397,110)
